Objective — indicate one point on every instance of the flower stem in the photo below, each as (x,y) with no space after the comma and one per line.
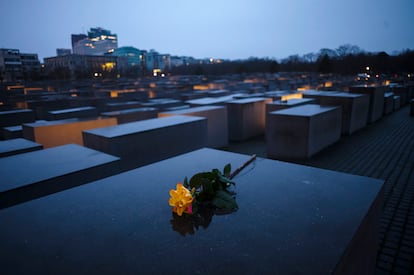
(238,170)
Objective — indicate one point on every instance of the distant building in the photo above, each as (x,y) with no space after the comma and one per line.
(76,38)
(60,52)
(15,66)
(134,56)
(156,61)
(30,65)
(98,42)
(81,66)
(176,61)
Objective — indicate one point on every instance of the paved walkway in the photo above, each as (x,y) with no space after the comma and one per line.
(384,150)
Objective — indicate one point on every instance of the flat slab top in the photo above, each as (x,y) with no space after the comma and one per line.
(142,126)
(212,100)
(292,102)
(28,168)
(307,110)
(13,128)
(250,95)
(314,92)
(337,94)
(16,111)
(40,123)
(11,145)
(277,93)
(129,111)
(163,100)
(72,110)
(346,95)
(195,110)
(247,100)
(292,219)
(160,101)
(125,103)
(215,92)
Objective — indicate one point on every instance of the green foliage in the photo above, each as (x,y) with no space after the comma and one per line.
(212,188)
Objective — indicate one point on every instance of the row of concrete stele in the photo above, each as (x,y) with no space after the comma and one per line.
(295,128)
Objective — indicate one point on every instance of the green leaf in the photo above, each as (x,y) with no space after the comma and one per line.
(225,179)
(216,173)
(208,188)
(227,170)
(196,180)
(224,200)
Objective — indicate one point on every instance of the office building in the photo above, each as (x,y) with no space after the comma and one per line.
(157,62)
(60,52)
(16,66)
(98,42)
(81,66)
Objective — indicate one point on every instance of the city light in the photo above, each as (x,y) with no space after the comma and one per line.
(328,84)
(155,72)
(108,66)
(292,96)
(200,87)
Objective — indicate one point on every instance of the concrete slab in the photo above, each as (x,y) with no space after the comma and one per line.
(376,100)
(35,174)
(117,106)
(60,132)
(403,92)
(246,118)
(217,101)
(80,112)
(16,117)
(292,219)
(300,132)
(397,102)
(217,125)
(147,141)
(131,115)
(354,109)
(284,104)
(388,103)
(17,146)
(12,132)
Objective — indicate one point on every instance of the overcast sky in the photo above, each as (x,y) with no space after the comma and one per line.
(229,29)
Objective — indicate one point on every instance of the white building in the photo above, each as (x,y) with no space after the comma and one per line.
(98,42)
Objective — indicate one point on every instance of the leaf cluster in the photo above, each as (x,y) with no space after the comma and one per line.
(213,189)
